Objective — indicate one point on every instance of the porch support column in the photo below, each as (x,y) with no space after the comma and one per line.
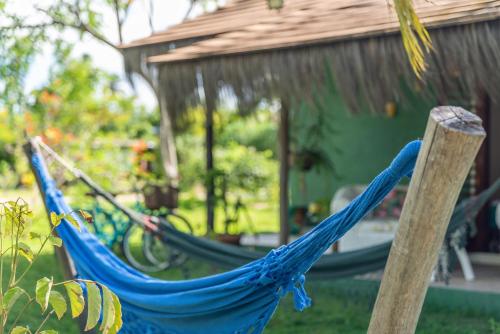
(284,144)
(210,105)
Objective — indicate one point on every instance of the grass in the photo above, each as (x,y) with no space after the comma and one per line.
(332,312)
(263,218)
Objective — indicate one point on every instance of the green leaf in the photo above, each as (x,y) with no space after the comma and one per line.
(25,251)
(108,317)
(73,221)
(42,292)
(34,235)
(49,331)
(118,316)
(11,296)
(58,303)
(54,219)
(55,241)
(94,302)
(20,330)
(75,294)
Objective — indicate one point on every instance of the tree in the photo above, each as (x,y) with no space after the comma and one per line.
(81,109)
(21,38)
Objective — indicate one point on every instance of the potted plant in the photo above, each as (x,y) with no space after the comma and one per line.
(150,178)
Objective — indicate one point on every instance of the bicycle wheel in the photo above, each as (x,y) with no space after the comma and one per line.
(137,243)
(154,245)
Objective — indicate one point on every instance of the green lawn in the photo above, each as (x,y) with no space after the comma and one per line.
(332,312)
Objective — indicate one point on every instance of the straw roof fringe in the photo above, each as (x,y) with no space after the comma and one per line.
(368,71)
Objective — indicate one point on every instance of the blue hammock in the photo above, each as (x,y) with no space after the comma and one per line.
(239,301)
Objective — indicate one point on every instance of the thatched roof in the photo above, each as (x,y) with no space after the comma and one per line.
(234,15)
(286,53)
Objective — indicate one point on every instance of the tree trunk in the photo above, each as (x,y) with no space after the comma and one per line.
(168,148)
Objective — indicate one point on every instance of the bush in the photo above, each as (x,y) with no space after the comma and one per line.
(246,169)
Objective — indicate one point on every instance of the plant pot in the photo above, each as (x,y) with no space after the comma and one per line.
(157,197)
(232,239)
(304,161)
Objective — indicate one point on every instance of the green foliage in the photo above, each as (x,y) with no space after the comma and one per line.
(259,131)
(17,51)
(245,168)
(58,303)
(244,153)
(81,114)
(94,305)
(15,228)
(494,326)
(75,295)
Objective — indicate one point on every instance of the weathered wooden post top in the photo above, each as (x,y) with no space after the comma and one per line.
(451,142)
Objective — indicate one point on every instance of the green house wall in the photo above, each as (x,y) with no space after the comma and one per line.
(367,141)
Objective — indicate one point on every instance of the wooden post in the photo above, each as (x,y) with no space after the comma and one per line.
(209,91)
(483,235)
(284,143)
(451,142)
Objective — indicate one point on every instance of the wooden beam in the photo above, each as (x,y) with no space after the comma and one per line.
(451,142)
(284,144)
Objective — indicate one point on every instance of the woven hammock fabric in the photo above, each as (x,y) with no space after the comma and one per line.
(239,301)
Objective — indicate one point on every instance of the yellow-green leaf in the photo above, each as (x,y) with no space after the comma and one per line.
(93,305)
(42,292)
(11,296)
(25,251)
(49,331)
(75,294)
(34,235)
(416,38)
(73,221)
(54,219)
(86,216)
(118,316)
(55,241)
(19,330)
(58,303)
(108,316)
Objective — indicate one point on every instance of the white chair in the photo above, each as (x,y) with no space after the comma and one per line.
(375,230)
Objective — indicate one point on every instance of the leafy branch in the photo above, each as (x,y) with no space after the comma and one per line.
(14,231)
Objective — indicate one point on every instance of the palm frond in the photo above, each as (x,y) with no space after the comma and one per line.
(416,39)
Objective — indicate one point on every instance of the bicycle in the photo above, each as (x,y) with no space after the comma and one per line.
(116,230)
(155,255)
(232,215)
